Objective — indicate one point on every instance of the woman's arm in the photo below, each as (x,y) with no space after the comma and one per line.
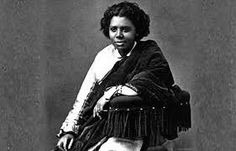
(108,94)
(71,124)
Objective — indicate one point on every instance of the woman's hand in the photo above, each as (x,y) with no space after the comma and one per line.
(99,106)
(65,142)
(103,100)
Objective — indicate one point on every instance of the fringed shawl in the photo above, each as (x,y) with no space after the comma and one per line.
(147,70)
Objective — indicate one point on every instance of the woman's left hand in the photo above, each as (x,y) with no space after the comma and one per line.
(107,95)
(99,106)
(102,101)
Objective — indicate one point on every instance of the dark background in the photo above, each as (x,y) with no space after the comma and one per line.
(47,46)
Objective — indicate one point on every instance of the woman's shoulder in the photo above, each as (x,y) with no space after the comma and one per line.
(149,47)
(106,51)
(150,50)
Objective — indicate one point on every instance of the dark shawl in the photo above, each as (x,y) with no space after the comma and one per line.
(147,70)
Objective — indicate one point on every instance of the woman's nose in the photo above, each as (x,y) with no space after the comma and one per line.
(119,34)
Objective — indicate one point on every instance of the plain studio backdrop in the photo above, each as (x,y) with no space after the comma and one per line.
(47,46)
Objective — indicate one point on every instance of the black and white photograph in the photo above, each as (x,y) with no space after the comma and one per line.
(117,75)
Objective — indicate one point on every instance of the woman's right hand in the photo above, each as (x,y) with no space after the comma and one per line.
(65,142)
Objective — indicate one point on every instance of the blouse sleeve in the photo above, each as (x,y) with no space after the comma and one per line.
(71,123)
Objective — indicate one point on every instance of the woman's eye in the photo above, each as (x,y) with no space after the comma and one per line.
(113,29)
(126,30)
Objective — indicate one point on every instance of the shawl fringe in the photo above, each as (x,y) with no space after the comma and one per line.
(151,122)
(183,108)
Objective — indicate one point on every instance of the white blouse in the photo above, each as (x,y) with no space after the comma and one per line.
(102,64)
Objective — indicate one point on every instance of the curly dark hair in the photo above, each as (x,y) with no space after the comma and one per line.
(130,10)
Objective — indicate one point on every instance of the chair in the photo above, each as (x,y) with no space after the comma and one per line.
(131,116)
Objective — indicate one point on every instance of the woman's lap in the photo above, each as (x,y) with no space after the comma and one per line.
(118,144)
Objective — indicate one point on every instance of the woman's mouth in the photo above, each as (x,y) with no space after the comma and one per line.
(120,43)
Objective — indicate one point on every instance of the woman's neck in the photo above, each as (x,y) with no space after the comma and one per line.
(125,52)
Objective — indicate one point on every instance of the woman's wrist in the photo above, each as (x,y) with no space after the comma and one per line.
(114,91)
(124,90)
(63,133)
(110,92)
(127,91)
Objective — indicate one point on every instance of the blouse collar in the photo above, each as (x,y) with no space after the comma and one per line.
(117,54)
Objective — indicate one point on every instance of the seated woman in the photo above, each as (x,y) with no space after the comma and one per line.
(125,102)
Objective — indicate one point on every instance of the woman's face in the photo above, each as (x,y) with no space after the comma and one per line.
(122,34)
